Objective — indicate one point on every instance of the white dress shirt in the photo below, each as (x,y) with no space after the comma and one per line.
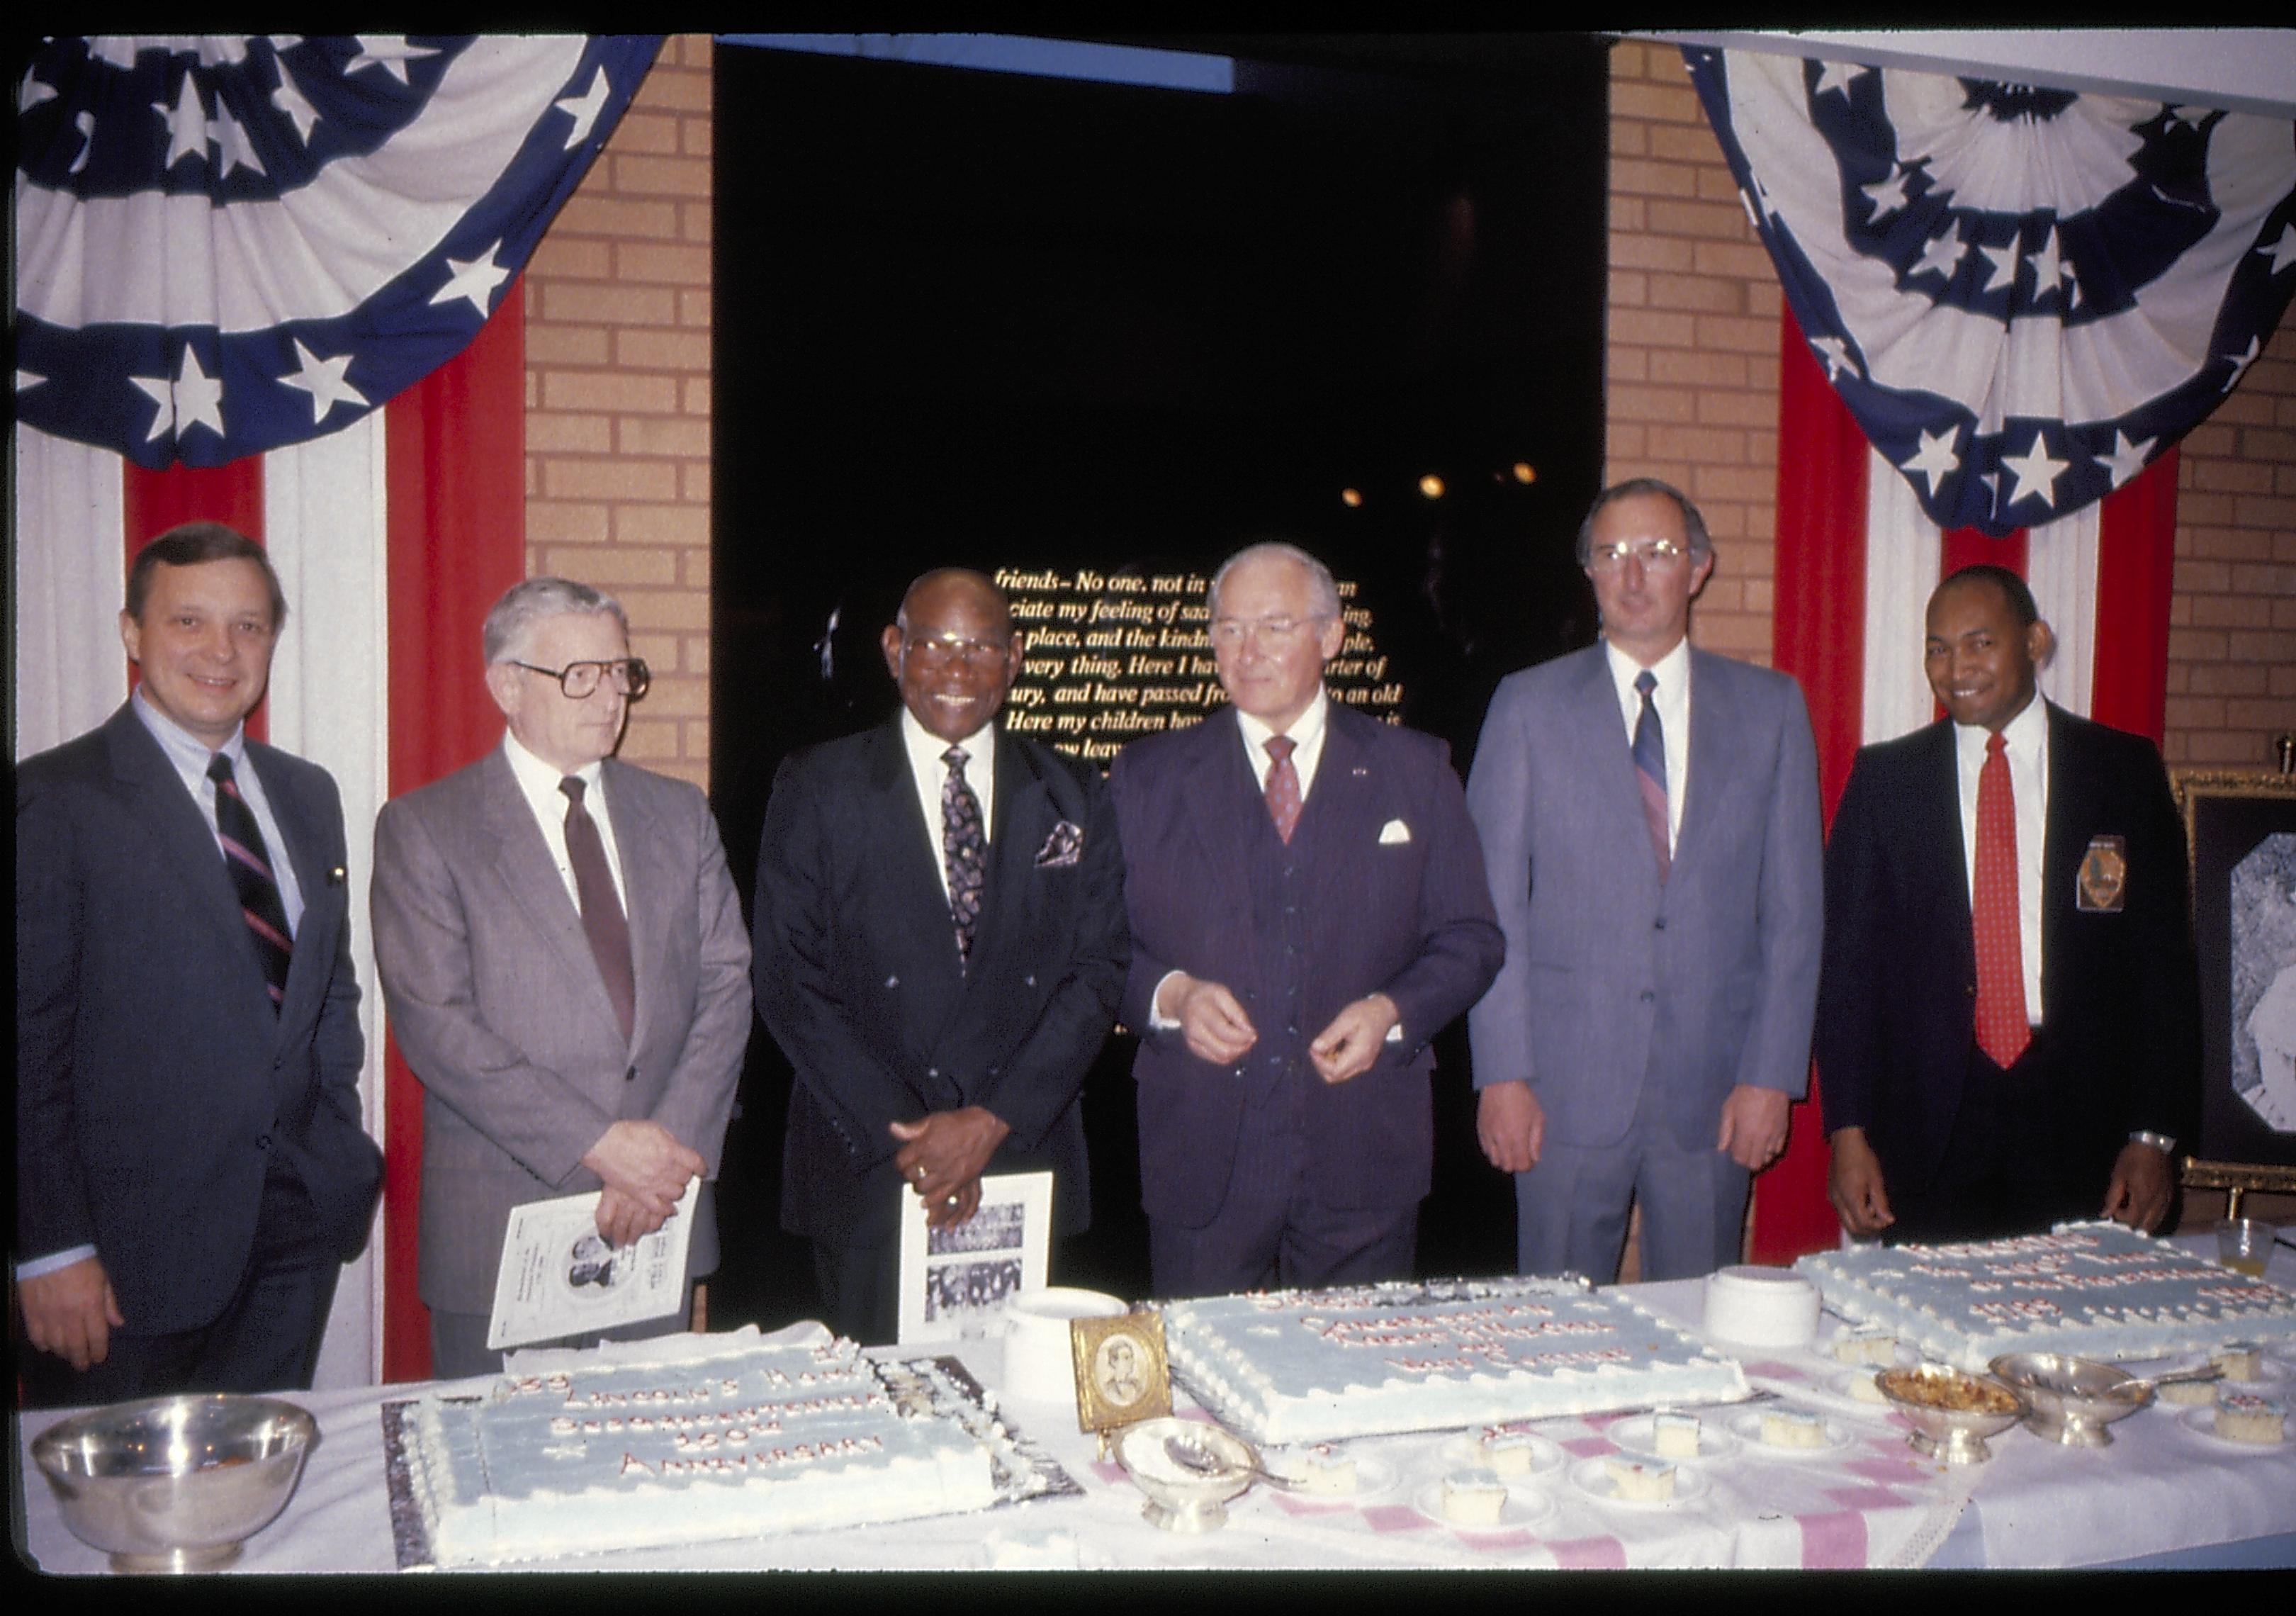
(537,782)
(930,775)
(2028,749)
(1671,697)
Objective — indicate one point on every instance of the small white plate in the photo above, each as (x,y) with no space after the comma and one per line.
(1372,1478)
(2204,1420)
(1640,1435)
(1524,1506)
(1467,1452)
(1748,1427)
(1589,1477)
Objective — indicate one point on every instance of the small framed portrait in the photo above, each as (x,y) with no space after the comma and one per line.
(1122,1374)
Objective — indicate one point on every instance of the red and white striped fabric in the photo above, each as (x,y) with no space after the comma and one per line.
(391,538)
(1856,561)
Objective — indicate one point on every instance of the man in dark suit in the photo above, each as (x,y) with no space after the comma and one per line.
(1649,812)
(1307,912)
(939,940)
(2008,1026)
(190,1173)
(561,954)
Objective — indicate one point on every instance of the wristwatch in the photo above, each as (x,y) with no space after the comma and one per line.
(2158,1142)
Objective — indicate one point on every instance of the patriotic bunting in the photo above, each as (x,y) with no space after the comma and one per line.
(2023,295)
(229,244)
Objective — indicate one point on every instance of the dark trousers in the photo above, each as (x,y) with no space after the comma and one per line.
(266,1338)
(1273,1230)
(2003,1173)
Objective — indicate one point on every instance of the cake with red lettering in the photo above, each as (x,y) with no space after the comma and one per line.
(2091,1289)
(1365,1361)
(720,1437)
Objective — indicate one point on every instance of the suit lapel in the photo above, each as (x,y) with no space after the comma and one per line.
(1934,841)
(1713,752)
(1023,819)
(1598,734)
(522,860)
(2067,784)
(905,881)
(1216,778)
(318,931)
(150,782)
(649,884)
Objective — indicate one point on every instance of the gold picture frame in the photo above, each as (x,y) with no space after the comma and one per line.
(1122,1375)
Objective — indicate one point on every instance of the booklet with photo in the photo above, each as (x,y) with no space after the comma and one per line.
(559,1276)
(954,1282)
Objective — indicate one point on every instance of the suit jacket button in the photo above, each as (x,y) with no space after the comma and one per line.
(631,1076)
(1648,995)
(1660,922)
(1030,980)
(932,1071)
(892,982)
(263,1142)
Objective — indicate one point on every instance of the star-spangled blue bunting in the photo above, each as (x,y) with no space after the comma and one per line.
(2023,295)
(229,244)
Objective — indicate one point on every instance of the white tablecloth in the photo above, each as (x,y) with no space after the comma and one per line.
(1871,1501)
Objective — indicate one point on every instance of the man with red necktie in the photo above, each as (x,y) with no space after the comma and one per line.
(1307,912)
(191,1172)
(2008,1029)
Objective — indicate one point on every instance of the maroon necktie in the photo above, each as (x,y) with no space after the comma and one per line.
(603,920)
(1282,788)
(249,864)
(2002,1030)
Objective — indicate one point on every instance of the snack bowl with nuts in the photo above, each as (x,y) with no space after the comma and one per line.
(1952,1412)
(2073,1399)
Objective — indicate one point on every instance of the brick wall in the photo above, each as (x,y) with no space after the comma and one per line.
(2232,622)
(618,397)
(1692,398)
(1692,368)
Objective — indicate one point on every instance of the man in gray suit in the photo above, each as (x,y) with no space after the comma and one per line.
(1650,822)
(564,964)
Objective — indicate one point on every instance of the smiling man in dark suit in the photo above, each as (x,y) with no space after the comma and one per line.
(190,1173)
(1307,912)
(2008,1024)
(939,940)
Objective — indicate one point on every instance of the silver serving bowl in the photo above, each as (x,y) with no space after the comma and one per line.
(2073,1399)
(1187,1491)
(174,1484)
(1956,1435)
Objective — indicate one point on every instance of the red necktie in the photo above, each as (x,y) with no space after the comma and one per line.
(2002,1030)
(1282,788)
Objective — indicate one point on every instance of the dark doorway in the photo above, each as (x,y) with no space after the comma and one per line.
(979,318)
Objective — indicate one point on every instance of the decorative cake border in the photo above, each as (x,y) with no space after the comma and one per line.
(1022,1468)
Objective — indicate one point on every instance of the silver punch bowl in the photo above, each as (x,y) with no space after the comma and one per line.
(174,1484)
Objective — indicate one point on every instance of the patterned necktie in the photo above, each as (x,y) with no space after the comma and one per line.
(248,863)
(964,850)
(1650,771)
(603,920)
(1282,788)
(2002,1030)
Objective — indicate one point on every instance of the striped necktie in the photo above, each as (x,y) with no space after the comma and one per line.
(249,864)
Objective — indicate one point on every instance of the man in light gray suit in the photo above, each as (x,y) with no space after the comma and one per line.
(1650,824)
(563,960)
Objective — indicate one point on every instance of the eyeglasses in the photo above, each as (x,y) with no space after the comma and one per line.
(579,680)
(1657,553)
(941,651)
(1231,632)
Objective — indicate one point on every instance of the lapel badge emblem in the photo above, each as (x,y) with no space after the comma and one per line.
(2103,883)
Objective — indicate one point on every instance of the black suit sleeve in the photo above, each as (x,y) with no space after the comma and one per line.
(52,1203)
(1848,1040)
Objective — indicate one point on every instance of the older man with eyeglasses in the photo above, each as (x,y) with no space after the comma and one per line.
(1307,912)
(564,960)
(1649,817)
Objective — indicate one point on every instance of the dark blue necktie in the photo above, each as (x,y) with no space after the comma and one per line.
(248,862)
(1650,770)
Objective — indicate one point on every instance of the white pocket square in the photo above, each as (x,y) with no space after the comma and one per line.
(1393,831)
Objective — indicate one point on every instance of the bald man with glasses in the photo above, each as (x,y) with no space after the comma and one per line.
(564,964)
